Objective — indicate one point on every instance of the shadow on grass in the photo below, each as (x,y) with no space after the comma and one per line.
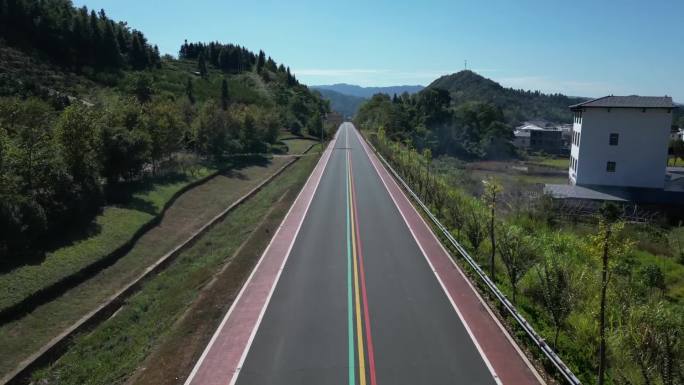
(128,195)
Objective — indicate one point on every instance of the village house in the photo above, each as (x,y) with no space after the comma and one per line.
(621,141)
(619,152)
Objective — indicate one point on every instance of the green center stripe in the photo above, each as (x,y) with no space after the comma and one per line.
(350,309)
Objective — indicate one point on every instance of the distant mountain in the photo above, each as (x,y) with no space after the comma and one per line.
(367,92)
(347,105)
(517,105)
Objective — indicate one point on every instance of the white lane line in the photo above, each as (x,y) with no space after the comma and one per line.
(477,294)
(282,265)
(432,268)
(251,275)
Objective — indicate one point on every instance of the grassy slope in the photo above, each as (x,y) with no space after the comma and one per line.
(298,146)
(20,338)
(115,226)
(114,350)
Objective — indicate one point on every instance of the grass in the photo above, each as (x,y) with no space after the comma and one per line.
(559,163)
(20,338)
(298,146)
(113,351)
(112,228)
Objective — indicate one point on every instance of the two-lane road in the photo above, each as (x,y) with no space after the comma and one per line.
(363,296)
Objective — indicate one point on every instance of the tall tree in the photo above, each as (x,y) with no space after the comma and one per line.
(202,64)
(261,61)
(224,94)
(189,91)
(517,255)
(606,244)
(492,188)
(558,289)
(77,134)
(111,53)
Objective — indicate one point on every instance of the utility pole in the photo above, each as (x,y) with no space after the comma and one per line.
(466,65)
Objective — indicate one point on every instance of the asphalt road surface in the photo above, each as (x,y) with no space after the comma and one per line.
(357,302)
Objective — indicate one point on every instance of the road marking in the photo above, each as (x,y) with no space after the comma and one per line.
(364,296)
(323,163)
(432,268)
(508,336)
(359,326)
(350,308)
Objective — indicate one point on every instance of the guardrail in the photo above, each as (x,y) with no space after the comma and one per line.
(536,338)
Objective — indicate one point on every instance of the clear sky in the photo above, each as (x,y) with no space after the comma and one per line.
(577,47)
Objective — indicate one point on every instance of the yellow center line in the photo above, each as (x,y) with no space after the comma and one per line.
(359,327)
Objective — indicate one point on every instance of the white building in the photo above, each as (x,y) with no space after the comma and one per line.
(621,141)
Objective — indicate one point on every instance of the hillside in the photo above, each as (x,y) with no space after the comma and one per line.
(517,105)
(347,105)
(91,109)
(367,92)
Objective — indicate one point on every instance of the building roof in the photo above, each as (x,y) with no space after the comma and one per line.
(631,101)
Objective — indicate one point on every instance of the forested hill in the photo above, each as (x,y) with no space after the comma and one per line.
(517,105)
(367,92)
(74,37)
(88,108)
(347,105)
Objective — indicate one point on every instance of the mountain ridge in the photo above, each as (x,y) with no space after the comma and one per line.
(518,105)
(367,92)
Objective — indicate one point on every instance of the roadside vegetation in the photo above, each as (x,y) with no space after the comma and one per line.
(98,133)
(112,352)
(452,144)
(588,287)
(73,165)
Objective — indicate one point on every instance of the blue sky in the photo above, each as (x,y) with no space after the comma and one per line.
(578,47)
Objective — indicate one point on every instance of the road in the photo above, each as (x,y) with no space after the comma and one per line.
(362,295)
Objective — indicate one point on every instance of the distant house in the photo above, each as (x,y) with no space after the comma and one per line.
(621,141)
(539,136)
(677,133)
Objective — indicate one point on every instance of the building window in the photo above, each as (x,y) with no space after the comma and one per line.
(613,140)
(610,166)
(579,137)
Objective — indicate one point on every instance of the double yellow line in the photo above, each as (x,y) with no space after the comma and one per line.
(357,291)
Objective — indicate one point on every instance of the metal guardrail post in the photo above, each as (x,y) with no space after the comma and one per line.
(501,297)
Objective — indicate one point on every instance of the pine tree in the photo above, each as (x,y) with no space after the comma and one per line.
(95,39)
(202,64)
(189,91)
(224,94)
(261,61)
(111,54)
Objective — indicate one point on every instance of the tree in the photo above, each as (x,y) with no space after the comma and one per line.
(224,94)
(77,133)
(123,153)
(142,88)
(214,131)
(557,289)
(492,188)
(607,245)
(315,125)
(202,64)
(475,228)
(517,254)
(111,52)
(189,91)
(261,61)
(653,278)
(676,150)
(164,125)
